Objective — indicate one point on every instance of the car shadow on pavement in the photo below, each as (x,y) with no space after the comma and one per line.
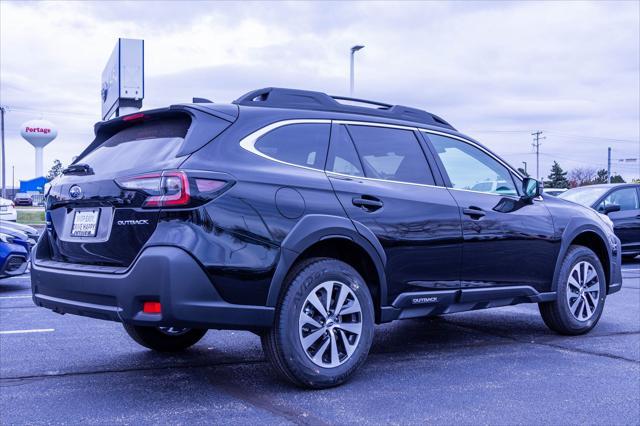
(5,288)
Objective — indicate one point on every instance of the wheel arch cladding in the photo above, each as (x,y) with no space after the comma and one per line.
(592,238)
(334,237)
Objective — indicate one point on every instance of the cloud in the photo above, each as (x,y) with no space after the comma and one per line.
(569,68)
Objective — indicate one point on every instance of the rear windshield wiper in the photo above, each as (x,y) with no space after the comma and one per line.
(78,169)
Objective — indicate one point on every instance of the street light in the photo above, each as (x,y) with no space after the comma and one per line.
(354,49)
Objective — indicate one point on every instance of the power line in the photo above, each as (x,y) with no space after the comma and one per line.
(562,134)
(66,113)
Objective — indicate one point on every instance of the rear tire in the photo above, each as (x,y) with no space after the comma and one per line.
(580,294)
(164,341)
(318,341)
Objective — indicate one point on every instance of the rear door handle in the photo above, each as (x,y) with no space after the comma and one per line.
(474,212)
(367,202)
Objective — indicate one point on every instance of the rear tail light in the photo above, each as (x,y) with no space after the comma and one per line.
(171,188)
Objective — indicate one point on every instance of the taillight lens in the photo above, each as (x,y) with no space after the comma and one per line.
(170,188)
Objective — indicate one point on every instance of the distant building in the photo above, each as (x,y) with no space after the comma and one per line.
(33,185)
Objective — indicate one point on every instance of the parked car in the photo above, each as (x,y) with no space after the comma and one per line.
(621,203)
(308,221)
(32,233)
(23,199)
(7,210)
(554,191)
(14,252)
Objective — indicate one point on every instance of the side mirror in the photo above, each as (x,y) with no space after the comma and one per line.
(531,188)
(611,208)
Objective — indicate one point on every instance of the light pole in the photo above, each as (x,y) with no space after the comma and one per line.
(525,167)
(354,49)
(4,183)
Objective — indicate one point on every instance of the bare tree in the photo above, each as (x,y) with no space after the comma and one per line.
(581,176)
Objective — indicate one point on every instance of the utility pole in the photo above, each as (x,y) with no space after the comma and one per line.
(609,165)
(536,145)
(4,180)
(13,181)
(354,49)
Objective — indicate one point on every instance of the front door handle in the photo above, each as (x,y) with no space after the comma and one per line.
(474,212)
(367,202)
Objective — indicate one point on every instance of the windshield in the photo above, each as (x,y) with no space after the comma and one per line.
(585,195)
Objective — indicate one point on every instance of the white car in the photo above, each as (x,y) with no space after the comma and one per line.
(7,210)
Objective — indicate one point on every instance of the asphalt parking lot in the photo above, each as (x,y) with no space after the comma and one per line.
(500,366)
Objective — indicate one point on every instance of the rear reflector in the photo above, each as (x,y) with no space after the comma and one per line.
(151,308)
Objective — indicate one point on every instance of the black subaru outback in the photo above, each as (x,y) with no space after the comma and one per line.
(308,219)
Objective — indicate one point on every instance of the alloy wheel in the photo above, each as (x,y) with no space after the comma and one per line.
(583,291)
(330,324)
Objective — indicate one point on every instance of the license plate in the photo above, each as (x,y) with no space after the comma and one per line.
(3,208)
(85,223)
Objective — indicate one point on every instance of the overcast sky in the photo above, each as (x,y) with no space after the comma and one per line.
(497,71)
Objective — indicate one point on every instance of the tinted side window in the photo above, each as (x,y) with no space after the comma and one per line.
(301,144)
(471,168)
(391,154)
(626,198)
(343,157)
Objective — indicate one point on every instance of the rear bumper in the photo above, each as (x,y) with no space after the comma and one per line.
(165,274)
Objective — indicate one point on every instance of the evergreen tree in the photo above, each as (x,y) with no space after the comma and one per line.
(557,177)
(601,177)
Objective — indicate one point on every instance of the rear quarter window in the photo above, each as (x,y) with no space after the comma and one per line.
(300,144)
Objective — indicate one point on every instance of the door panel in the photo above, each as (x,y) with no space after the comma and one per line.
(418,227)
(511,243)
(626,221)
(507,241)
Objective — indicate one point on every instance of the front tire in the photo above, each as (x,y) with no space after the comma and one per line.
(580,294)
(324,325)
(165,339)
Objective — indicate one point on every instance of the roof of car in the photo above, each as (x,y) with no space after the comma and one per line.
(607,185)
(275,97)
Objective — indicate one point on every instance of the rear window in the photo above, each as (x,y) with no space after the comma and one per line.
(141,146)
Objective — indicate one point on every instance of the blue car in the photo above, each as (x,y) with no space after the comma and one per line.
(16,242)
(14,252)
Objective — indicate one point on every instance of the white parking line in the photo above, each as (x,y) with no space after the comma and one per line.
(37,330)
(15,297)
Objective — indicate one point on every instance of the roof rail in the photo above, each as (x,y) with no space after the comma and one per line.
(276,97)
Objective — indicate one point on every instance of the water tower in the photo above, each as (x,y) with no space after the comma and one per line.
(39,133)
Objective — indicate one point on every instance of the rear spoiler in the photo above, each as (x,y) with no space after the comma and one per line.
(207,122)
